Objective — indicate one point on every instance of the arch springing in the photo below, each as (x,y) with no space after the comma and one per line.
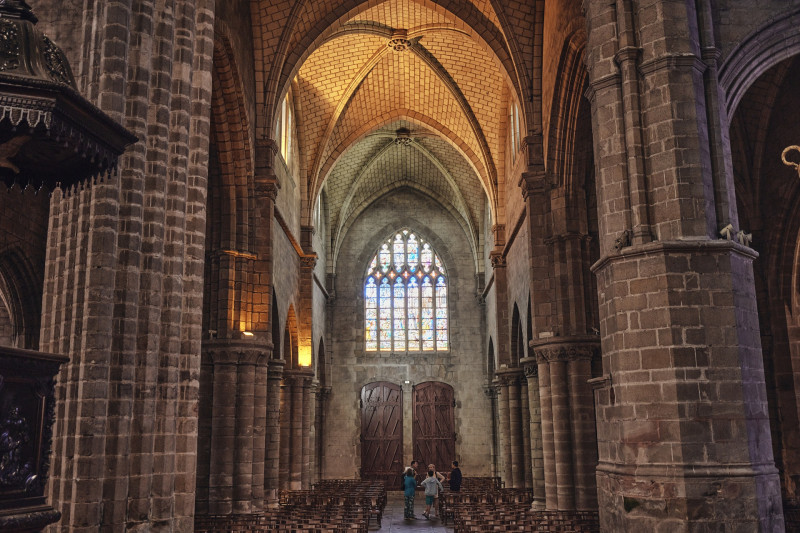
(405,295)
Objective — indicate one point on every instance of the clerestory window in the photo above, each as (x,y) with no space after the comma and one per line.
(405,296)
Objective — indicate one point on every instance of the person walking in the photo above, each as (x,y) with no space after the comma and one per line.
(455,477)
(409,491)
(432,489)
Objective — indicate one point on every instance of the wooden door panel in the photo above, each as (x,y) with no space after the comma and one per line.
(434,425)
(382,433)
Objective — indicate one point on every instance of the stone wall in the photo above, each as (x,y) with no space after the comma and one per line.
(352,368)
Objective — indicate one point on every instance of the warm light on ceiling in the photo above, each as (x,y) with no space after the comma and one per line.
(247,333)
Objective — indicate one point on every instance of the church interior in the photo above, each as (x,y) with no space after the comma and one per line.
(557,241)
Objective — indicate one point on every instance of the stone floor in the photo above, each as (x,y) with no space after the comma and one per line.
(393,521)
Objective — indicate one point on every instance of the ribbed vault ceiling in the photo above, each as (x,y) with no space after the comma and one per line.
(446,91)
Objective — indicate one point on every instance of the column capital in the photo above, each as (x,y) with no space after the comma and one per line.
(267,189)
(530,365)
(237,351)
(275,369)
(569,348)
(508,376)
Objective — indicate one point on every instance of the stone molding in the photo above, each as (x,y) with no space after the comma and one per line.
(570,348)
(237,352)
(717,246)
(508,376)
(299,377)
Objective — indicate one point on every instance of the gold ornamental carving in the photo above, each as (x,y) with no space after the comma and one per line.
(789,163)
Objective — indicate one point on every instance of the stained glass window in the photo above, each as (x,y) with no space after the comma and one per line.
(405,296)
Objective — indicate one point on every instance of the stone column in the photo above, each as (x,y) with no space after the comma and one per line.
(582,418)
(548,444)
(562,436)
(323,394)
(491,392)
(296,432)
(284,464)
(524,405)
(309,403)
(682,417)
(243,441)
(260,428)
(536,451)
(223,431)
(569,362)
(515,428)
(504,428)
(273,432)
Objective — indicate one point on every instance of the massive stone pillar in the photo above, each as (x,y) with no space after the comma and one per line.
(682,417)
(125,275)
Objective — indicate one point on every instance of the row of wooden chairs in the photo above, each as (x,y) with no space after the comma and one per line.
(332,506)
(486,506)
(514,517)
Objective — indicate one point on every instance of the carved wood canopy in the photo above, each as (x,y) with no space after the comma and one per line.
(49,134)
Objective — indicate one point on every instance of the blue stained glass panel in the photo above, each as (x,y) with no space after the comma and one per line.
(385,257)
(406,297)
(399,252)
(413,253)
(427,257)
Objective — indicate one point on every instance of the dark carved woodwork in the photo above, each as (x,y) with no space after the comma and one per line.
(434,425)
(49,134)
(382,433)
(27,413)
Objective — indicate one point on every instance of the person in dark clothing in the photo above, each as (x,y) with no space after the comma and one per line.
(410,490)
(455,477)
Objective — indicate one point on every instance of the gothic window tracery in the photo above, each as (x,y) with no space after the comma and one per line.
(406,297)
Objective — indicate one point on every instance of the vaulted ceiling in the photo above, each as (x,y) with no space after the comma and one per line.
(403,94)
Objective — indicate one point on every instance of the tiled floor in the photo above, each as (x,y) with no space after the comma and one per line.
(393,521)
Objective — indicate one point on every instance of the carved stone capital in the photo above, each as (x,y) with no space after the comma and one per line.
(534,184)
(308,261)
(570,348)
(275,369)
(267,190)
(497,259)
(530,366)
(508,376)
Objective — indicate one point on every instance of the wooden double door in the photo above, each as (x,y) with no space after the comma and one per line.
(433,429)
